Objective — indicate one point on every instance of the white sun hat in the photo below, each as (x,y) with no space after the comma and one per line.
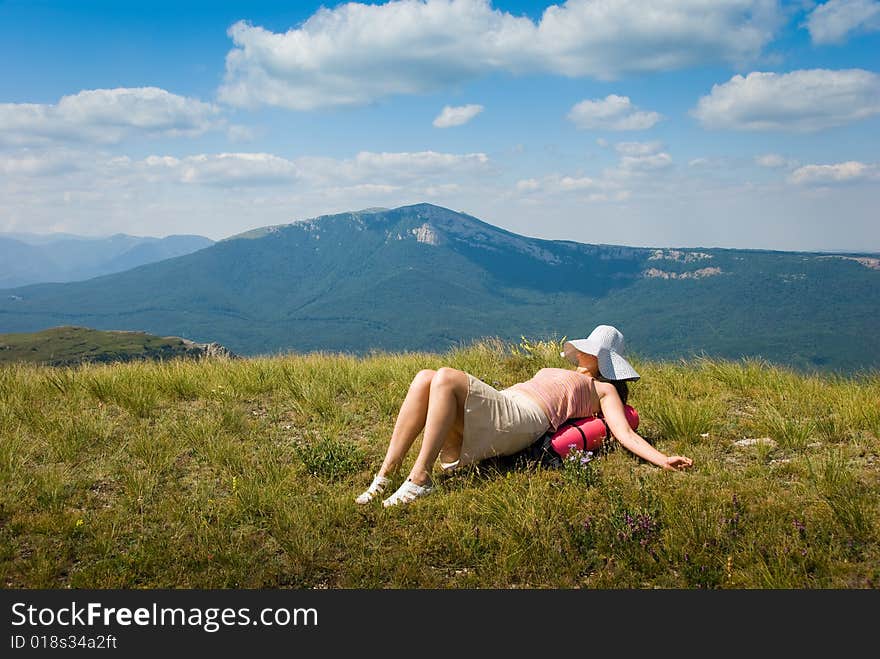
(606,343)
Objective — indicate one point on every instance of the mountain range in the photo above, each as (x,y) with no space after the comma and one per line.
(423,277)
(30,258)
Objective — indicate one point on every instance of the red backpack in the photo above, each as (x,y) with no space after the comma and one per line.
(587,433)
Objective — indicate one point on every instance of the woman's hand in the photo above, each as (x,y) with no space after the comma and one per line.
(676,463)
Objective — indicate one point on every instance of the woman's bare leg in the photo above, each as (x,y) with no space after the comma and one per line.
(445,414)
(410,422)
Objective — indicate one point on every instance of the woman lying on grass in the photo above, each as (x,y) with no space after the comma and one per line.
(465,420)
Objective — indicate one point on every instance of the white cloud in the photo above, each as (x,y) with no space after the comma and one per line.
(806,100)
(27,164)
(834,21)
(403,166)
(700,162)
(441,190)
(363,189)
(771,160)
(671,207)
(775,161)
(585,188)
(557,183)
(238,133)
(844,172)
(641,164)
(154,161)
(366,172)
(236,169)
(638,148)
(569,183)
(107,116)
(355,53)
(456,115)
(218,194)
(528,185)
(421,160)
(639,161)
(646,163)
(611,113)
(380,170)
(724,165)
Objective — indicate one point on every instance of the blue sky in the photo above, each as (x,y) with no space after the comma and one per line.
(710,123)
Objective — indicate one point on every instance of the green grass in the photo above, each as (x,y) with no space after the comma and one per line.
(70,346)
(242,474)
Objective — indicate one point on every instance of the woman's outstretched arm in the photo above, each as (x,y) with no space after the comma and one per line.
(615,417)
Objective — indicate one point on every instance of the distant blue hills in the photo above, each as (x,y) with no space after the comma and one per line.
(428,278)
(30,258)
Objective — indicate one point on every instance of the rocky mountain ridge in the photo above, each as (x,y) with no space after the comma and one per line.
(423,277)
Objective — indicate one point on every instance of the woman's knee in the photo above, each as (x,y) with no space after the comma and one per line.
(447,377)
(423,378)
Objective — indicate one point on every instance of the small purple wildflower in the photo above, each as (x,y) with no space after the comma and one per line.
(578,466)
(641,528)
(733,522)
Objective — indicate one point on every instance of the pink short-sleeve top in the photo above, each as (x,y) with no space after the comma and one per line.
(566,394)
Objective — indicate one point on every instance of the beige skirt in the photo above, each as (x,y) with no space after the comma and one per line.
(496,423)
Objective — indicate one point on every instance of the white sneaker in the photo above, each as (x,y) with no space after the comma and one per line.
(376,488)
(407,492)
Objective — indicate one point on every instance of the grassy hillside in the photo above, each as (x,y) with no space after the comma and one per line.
(221,474)
(68,346)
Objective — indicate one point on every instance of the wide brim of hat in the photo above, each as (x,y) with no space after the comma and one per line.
(612,365)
